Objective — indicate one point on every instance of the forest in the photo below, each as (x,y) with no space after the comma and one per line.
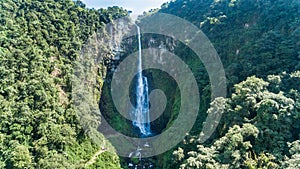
(41,41)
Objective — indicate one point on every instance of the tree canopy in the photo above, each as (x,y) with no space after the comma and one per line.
(39,41)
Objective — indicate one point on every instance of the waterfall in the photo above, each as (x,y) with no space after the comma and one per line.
(140,116)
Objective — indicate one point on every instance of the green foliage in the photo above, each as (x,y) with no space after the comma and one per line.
(19,156)
(294,160)
(263,161)
(39,41)
(253,39)
(229,151)
(256,128)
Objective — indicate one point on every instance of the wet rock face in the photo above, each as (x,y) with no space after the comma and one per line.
(157,79)
(162,81)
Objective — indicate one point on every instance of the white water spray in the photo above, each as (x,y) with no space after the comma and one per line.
(140,116)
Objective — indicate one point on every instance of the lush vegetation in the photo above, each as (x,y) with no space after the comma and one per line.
(257,41)
(39,41)
(259,129)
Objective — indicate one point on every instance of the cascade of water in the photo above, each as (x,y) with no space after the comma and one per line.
(141,117)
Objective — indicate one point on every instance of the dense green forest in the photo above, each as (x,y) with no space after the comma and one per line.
(258,42)
(39,41)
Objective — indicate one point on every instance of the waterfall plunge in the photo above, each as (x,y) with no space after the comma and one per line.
(140,115)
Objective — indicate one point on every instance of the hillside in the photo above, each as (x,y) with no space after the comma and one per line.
(39,42)
(258,43)
(251,37)
(48,120)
